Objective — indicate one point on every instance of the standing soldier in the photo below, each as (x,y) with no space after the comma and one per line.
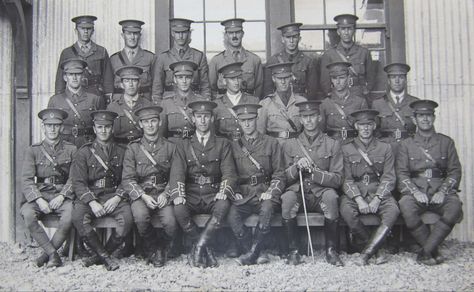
(306,79)
(210,182)
(319,158)
(279,115)
(336,108)
(227,124)
(77,102)
(126,128)
(395,113)
(98,78)
(429,172)
(362,69)
(369,179)
(177,123)
(46,186)
(151,170)
(133,54)
(180,51)
(96,176)
(260,168)
(252,76)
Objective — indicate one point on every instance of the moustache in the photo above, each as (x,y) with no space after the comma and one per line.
(235,38)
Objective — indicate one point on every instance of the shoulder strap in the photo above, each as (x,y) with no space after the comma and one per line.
(73,108)
(99,159)
(129,116)
(305,153)
(367,159)
(428,156)
(249,156)
(390,105)
(232,112)
(351,68)
(193,153)
(338,108)
(152,160)
(292,124)
(74,51)
(122,60)
(184,113)
(53,162)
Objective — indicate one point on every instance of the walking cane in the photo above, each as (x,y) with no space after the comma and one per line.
(310,242)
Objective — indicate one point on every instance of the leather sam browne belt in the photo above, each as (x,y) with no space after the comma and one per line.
(54,179)
(153,179)
(254,180)
(367,178)
(397,134)
(343,133)
(203,180)
(125,140)
(144,89)
(234,135)
(75,131)
(283,134)
(181,133)
(105,182)
(429,173)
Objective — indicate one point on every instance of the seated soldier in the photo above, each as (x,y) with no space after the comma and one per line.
(46,186)
(369,179)
(210,182)
(429,172)
(150,174)
(319,158)
(96,176)
(260,168)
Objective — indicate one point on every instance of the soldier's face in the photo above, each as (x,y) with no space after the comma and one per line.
(233,84)
(282,84)
(234,38)
(130,86)
(73,80)
(340,82)
(365,129)
(131,38)
(183,82)
(52,131)
(203,121)
(397,82)
(249,125)
(150,126)
(310,122)
(291,42)
(424,122)
(181,37)
(84,34)
(346,34)
(103,132)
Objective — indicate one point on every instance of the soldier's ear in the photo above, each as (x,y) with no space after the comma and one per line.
(121,84)
(212,118)
(413,119)
(141,124)
(61,128)
(193,118)
(64,77)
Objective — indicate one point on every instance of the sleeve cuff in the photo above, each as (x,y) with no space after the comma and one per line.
(87,197)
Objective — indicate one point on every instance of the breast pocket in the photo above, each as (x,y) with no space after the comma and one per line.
(176,120)
(264,160)
(227,124)
(248,77)
(416,161)
(94,66)
(359,67)
(300,76)
(323,160)
(378,162)
(164,161)
(168,77)
(355,162)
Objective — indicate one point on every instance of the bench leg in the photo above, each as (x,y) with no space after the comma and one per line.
(72,239)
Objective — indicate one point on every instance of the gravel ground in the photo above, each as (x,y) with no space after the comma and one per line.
(17,272)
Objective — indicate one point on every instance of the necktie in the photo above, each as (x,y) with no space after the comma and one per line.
(235,54)
(398,99)
(251,140)
(85,49)
(131,54)
(202,142)
(181,53)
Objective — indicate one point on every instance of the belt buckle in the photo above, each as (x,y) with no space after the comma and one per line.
(75,131)
(153,179)
(130,138)
(351,82)
(366,179)
(236,135)
(343,134)
(286,134)
(253,180)
(428,173)
(100,183)
(185,133)
(50,180)
(201,180)
(398,134)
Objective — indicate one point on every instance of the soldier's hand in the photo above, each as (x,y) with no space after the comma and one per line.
(265,196)
(56,202)
(363,206)
(304,163)
(162,200)
(149,201)
(179,200)
(438,198)
(374,205)
(220,196)
(97,209)
(111,204)
(421,197)
(238,196)
(43,205)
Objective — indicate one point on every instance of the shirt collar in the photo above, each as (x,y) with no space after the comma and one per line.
(394,96)
(234,98)
(206,136)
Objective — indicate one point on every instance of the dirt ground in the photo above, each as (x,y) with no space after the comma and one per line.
(17,272)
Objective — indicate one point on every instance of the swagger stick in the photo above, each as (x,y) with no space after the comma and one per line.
(306,216)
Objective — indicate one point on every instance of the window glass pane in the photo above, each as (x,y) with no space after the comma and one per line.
(197,36)
(262,55)
(312,40)
(309,11)
(370,11)
(251,9)
(336,7)
(370,38)
(191,9)
(214,37)
(332,38)
(255,36)
(209,55)
(219,9)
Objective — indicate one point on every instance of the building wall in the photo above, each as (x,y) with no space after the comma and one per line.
(6,81)
(439,42)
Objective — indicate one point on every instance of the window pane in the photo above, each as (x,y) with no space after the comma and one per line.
(197,36)
(332,38)
(255,36)
(251,9)
(209,55)
(336,7)
(219,9)
(214,37)
(190,9)
(312,40)
(370,11)
(370,38)
(309,11)
(262,55)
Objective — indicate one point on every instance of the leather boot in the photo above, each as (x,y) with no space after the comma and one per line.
(250,257)
(191,231)
(211,260)
(360,237)
(54,260)
(92,240)
(199,259)
(439,232)
(290,231)
(331,233)
(420,233)
(374,244)
(126,249)
(161,255)
(42,259)
(239,246)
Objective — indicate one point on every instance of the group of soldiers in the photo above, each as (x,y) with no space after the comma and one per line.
(170,136)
